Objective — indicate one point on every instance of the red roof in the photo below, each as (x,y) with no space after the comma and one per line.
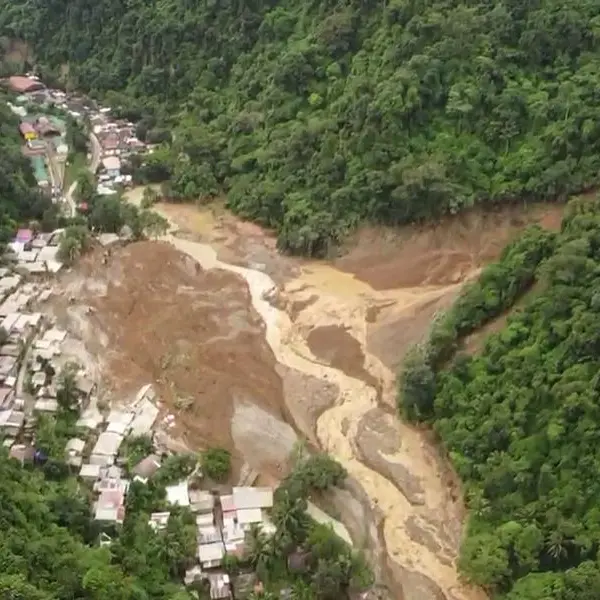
(19,83)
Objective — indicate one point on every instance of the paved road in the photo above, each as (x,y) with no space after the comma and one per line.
(93,167)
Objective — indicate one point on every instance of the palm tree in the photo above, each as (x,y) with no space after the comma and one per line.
(556,545)
(289,516)
(258,547)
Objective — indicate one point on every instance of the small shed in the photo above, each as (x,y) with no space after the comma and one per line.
(159,520)
(211,555)
(90,473)
(22,452)
(178,494)
(147,467)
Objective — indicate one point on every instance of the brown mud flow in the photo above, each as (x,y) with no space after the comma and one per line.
(325,339)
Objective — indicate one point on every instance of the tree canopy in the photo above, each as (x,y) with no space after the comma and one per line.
(520,420)
(313,116)
(48,547)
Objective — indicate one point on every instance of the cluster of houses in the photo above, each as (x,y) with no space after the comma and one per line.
(31,359)
(98,462)
(44,135)
(35,253)
(116,137)
(118,142)
(222,520)
(222,525)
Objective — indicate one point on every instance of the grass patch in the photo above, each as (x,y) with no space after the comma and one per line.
(75,165)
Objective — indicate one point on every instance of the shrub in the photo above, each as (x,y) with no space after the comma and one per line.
(216,463)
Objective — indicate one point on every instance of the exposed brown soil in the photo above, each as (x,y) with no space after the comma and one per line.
(193,332)
(392,332)
(335,346)
(239,242)
(439,254)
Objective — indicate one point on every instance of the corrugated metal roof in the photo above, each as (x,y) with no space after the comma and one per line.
(178,494)
(252,497)
(108,444)
(211,552)
(249,515)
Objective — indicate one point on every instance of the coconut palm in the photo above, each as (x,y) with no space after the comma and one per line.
(258,546)
(289,516)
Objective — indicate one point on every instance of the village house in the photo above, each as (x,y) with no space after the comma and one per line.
(210,555)
(201,501)
(159,520)
(146,468)
(7,396)
(112,490)
(90,419)
(110,508)
(22,452)
(46,127)
(27,131)
(90,473)
(177,495)
(45,405)
(112,165)
(106,449)
(220,586)
(11,422)
(85,388)
(74,451)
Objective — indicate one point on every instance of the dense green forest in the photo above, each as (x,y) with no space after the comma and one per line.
(315,115)
(521,419)
(20,197)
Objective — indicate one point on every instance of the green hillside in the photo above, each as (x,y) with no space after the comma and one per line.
(316,115)
(521,421)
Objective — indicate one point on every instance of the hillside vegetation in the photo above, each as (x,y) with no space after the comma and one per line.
(521,421)
(316,115)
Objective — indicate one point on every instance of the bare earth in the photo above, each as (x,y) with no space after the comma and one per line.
(238,361)
(192,332)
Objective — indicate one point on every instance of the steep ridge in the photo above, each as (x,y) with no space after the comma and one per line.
(317,116)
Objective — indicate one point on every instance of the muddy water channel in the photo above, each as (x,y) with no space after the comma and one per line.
(325,325)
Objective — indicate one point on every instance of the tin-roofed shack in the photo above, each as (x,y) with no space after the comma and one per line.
(252,497)
(147,467)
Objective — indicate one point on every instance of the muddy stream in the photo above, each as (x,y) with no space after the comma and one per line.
(396,466)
